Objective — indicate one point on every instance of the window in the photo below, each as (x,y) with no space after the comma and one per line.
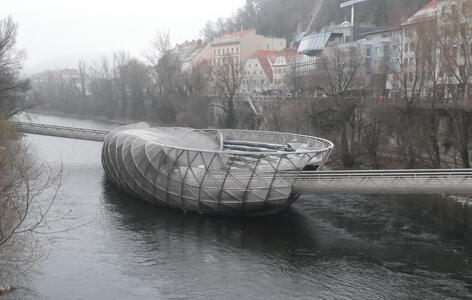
(219,52)
(268,47)
(408,32)
(237,50)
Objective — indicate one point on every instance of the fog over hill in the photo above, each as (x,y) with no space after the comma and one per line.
(282,18)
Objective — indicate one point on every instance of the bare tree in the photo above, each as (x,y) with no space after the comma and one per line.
(12,87)
(455,31)
(120,61)
(28,190)
(339,84)
(416,121)
(208,32)
(160,46)
(226,80)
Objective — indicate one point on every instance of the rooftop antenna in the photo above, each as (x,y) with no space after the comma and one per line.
(351,3)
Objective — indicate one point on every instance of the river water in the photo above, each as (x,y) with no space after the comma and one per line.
(324,247)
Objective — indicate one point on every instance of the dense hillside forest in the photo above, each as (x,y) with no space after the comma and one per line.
(283,18)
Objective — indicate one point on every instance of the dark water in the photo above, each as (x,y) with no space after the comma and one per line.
(325,247)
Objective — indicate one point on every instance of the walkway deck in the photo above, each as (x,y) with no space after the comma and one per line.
(62,131)
(457,181)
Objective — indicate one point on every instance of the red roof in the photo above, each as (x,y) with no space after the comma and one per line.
(288,53)
(197,43)
(264,53)
(265,58)
(426,13)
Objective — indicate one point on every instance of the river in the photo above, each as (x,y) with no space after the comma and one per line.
(324,247)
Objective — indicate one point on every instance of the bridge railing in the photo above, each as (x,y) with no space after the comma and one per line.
(62,131)
(457,181)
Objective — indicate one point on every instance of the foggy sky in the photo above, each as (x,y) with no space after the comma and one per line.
(56,33)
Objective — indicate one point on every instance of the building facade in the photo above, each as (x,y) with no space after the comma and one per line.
(238,46)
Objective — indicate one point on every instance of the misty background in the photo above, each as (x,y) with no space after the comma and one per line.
(57,33)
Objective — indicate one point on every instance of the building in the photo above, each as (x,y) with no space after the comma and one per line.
(265,71)
(186,53)
(257,75)
(282,67)
(238,46)
(454,71)
(314,44)
(403,77)
(381,50)
(351,33)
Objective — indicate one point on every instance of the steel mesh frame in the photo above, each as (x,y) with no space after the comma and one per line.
(212,181)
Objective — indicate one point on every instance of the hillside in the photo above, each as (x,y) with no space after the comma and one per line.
(379,12)
(282,18)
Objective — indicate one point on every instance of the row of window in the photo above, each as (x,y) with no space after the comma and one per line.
(226,51)
(220,61)
(251,72)
(253,82)
(280,71)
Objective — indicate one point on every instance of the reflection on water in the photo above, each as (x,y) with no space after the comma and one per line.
(338,245)
(331,247)
(277,233)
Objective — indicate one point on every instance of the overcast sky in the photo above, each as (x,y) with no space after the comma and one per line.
(56,33)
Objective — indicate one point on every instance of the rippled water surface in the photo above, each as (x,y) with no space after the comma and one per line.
(325,247)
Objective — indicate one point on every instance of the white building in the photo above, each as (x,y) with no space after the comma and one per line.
(257,75)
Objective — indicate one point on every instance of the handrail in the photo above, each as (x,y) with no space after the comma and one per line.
(59,127)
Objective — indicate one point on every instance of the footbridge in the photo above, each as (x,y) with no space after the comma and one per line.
(62,131)
(455,181)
